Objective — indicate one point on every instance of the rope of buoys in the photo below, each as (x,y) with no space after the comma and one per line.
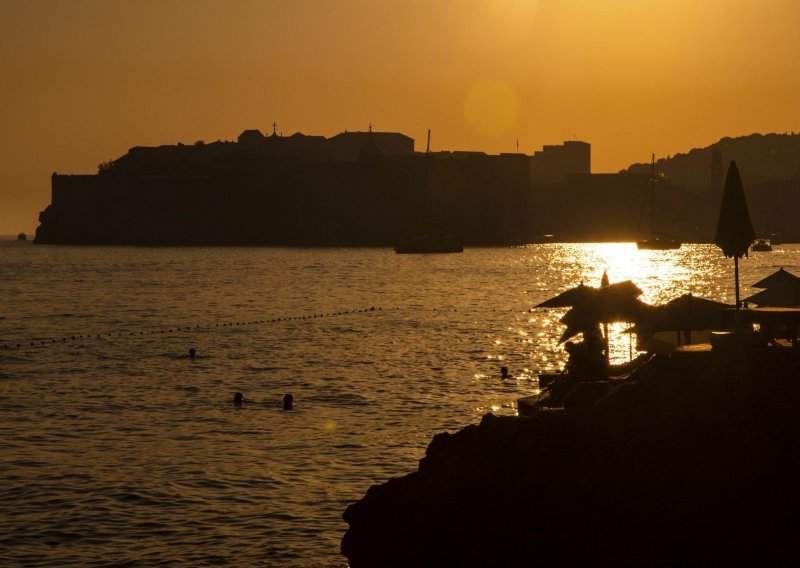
(9,344)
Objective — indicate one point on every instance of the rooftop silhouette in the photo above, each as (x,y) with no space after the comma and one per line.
(371,188)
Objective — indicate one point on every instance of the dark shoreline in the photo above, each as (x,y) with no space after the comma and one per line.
(699,464)
(335,246)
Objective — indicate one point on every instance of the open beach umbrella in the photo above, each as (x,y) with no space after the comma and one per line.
(687,313)
(776,278)
(589,295)
(735,232)
(591,306)
(784,294)
(609,309)
(613,297)
(569,298)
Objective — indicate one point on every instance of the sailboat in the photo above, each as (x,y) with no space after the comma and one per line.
(431,241)
(658,240)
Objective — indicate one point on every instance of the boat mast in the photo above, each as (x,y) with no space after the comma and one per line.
(652,194)
(426,206)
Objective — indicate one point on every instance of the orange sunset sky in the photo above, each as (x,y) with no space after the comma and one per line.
(81,81)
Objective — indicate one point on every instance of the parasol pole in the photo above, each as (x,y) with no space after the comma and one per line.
(734,228)
(737,316)
(603,284)
(630,346)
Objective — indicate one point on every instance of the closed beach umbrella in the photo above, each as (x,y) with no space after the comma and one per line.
(776,278)
(735,232)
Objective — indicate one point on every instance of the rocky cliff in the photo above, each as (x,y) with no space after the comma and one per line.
(696,462)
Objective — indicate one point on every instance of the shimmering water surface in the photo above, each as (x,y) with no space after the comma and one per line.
(121,449)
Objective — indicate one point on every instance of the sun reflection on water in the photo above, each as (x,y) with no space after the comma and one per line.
(371,389)
(661,275)
(657,273)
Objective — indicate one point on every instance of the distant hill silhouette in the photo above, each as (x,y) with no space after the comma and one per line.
(373,189)
(761,157)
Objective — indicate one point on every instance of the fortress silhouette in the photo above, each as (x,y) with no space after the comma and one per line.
(372,189)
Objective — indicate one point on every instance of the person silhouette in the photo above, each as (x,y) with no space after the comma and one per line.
(288,402)
(192,353)
(238,399)
(504,373)
(574,371)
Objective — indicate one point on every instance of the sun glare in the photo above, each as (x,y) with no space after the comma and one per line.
(661,275)
(491,107)
(657,273)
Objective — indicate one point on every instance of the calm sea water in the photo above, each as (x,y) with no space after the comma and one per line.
(121,449)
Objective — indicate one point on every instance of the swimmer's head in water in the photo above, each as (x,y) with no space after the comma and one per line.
(288,402)
(238,398)
(192,352)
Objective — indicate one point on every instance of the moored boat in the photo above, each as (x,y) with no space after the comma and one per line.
(658,240)
(761,245)
(432,239)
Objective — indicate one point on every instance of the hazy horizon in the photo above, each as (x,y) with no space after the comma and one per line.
(86,80)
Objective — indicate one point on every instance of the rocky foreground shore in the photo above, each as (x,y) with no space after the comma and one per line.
(698,462)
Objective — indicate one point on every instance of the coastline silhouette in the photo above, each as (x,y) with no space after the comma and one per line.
(339,175)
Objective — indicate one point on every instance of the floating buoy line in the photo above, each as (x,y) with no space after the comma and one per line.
(8,345)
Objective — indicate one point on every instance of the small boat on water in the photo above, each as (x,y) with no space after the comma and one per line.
(22,237)
(659,241)
(428,244)
(761,245)
(432,240)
